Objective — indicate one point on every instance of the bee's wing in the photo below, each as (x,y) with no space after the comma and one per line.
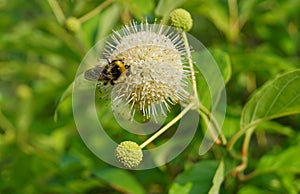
(93,74)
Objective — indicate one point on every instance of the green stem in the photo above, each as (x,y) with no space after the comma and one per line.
(205,114)
(214,122)
(57,11)
(206,121)
(241,132)
(234,28)
(95,11)
(234,139)
(245,149)
(189,57)
(167,126)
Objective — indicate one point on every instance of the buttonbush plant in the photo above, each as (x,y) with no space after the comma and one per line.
(256,45)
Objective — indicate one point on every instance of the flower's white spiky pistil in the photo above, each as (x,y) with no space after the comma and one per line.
(157,74)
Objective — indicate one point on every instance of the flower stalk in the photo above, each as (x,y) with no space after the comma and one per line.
(57,11)
(195,97)
(95,11)
(167,126)
(205,114)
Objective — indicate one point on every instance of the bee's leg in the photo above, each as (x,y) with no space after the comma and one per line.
(128,70)
(127,73)
(112,82)
(105,82)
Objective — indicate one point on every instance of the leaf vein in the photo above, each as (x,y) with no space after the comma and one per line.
(278,95)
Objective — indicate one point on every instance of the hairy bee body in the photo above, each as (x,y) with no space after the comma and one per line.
(108,73)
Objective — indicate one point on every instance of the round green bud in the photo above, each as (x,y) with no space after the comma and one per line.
(72,24)
(182,19)
(129,154)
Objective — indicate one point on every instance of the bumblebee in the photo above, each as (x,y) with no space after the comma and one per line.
(108,73)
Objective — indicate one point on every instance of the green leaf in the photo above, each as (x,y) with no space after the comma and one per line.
(121,180)
(289,183)
(275,127)
(81,185)
(200,175)
(181,189)
(232,120)
(277,98)
(286,161)
(89,29)
(260,56)
(139,8)
(67,93)
(212,65)
(218,179)
(218,15)
(223,62)
(247,10)
(108,20)
(25,116)
(249,189)
(164,7)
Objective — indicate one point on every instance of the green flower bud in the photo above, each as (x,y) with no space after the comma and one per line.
(129,154)
(180,18)
(72,24)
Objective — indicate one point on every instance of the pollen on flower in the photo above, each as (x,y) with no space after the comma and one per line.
(157,77)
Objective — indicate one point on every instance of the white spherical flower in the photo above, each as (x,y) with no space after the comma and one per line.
(157,76)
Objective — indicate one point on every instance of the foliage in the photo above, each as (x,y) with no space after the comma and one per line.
(255,43)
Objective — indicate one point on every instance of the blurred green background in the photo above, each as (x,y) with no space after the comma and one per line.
(39,56)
